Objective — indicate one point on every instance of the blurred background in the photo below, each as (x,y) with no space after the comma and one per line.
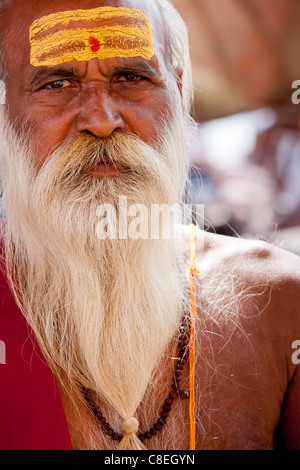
(245,152)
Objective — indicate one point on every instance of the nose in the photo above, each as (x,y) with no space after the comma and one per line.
(99,114)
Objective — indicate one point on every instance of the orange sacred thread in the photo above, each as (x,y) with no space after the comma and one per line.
(192,349)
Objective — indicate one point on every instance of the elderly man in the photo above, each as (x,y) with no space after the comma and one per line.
(110,352)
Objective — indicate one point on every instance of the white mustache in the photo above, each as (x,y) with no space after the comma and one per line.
(126,152)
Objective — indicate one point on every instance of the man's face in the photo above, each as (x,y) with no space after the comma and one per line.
(59,101)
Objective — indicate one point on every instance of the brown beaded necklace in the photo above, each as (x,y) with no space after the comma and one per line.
(176,392)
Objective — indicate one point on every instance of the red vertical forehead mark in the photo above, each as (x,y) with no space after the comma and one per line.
(94,43)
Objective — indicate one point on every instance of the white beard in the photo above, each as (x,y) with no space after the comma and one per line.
(103,311)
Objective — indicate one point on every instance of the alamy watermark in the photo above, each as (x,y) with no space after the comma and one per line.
(2,353)
(296,354)
(137,221)
(296,94)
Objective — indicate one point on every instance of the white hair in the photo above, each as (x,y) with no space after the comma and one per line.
(177,45)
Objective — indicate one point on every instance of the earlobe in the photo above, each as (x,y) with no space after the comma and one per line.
(178,75)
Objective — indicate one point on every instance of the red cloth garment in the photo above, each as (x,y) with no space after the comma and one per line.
(31,412)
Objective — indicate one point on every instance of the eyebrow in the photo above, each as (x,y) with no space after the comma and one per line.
(45,73)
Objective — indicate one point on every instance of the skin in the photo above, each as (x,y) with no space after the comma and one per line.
(247,387)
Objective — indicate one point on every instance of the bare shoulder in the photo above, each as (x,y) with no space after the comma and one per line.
(250,262)
(255,279)
(248,299)
(254,258)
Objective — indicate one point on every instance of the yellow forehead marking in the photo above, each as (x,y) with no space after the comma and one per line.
(81,35)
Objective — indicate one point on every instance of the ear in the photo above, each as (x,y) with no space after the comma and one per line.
(178,74)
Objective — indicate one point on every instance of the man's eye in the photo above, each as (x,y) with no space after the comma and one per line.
(129,77)
(57,85)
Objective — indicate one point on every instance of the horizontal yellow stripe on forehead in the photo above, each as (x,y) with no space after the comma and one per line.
(104,33)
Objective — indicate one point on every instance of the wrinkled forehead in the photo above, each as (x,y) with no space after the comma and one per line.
(103,32)
(54,32)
